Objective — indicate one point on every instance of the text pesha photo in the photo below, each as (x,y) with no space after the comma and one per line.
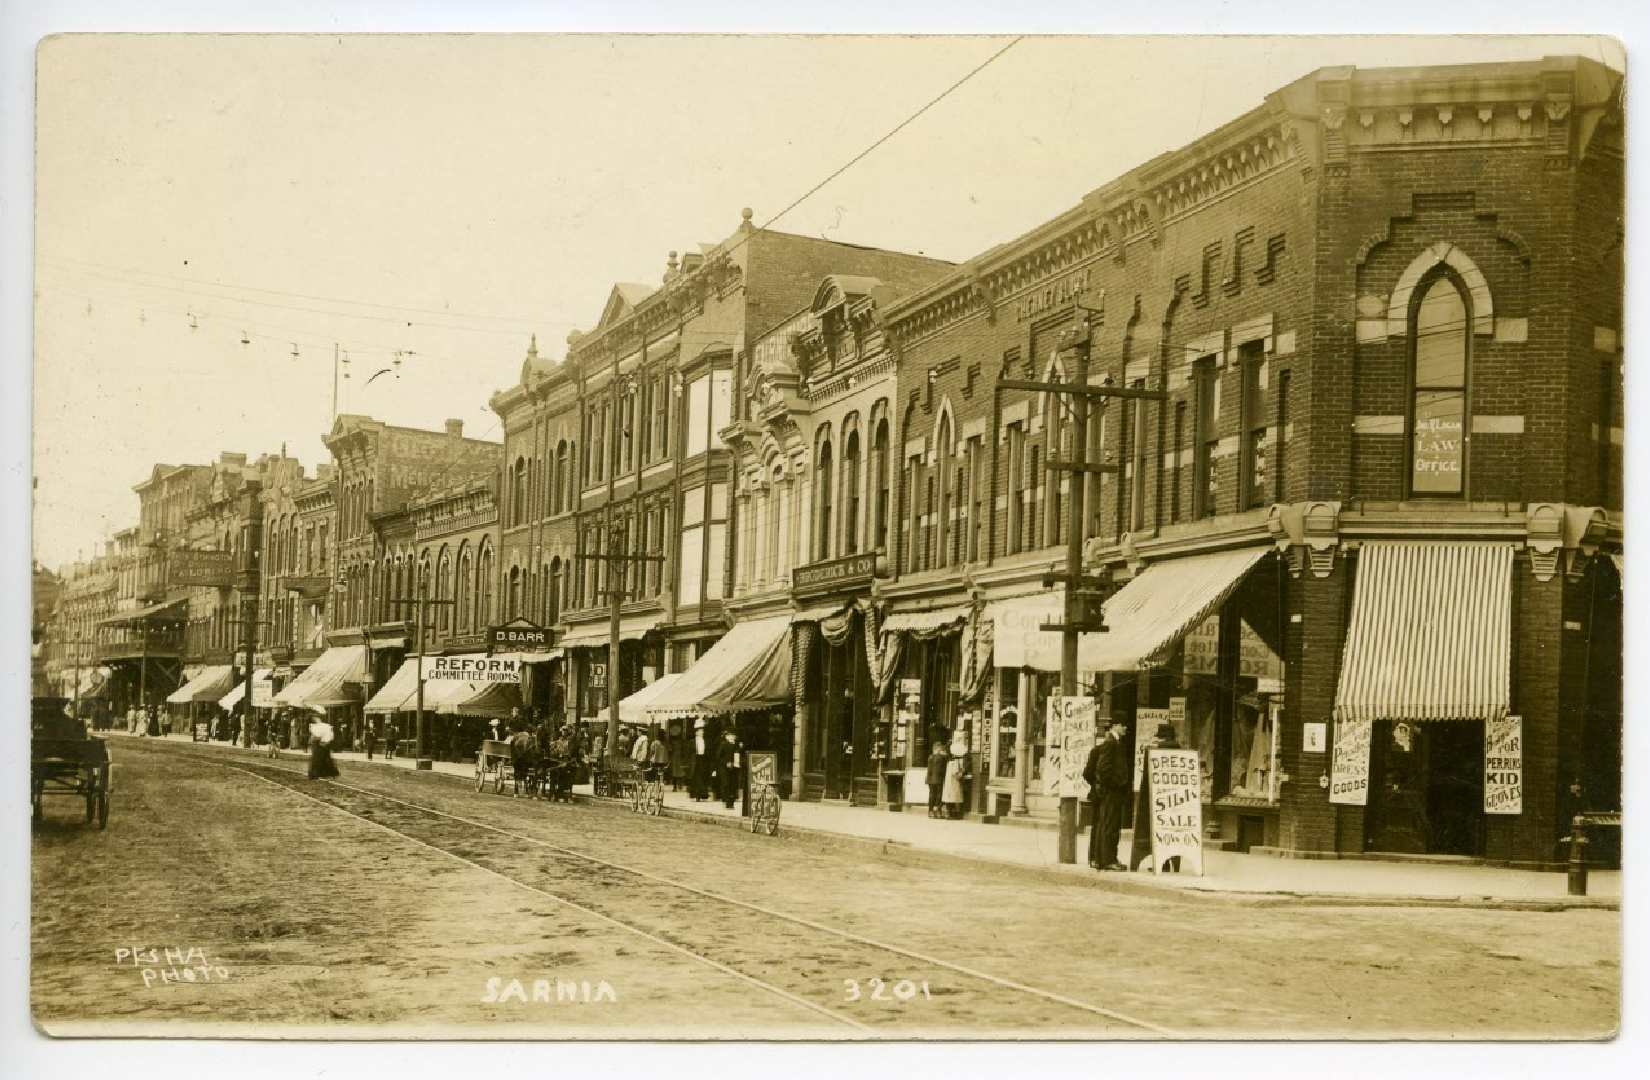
(827,538)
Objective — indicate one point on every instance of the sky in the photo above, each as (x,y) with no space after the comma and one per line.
(215,213)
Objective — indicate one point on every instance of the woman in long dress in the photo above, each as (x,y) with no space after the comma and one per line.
(321,766)
(952,793)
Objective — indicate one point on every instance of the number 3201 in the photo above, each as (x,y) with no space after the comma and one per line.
(882,990)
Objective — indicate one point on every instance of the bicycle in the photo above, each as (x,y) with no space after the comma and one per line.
(765,810)
(648,794)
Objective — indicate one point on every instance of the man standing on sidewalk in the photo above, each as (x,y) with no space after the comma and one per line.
(1109,777)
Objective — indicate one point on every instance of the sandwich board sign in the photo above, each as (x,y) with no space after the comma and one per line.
(1176,809)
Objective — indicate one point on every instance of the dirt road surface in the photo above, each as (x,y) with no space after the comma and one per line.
(393,903)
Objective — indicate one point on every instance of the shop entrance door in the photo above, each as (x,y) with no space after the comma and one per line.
(1428,794)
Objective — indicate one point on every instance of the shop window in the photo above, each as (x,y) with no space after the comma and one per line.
(1003,761)
(1439,339)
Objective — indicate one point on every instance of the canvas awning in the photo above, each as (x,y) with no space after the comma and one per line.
(924,622)
(400,692)
(585,637)
(632,710)
(327,681)
(494,700)
(1148,615)
(749,668)
(142,613)
(209,685)
(260,697)
(1430,637)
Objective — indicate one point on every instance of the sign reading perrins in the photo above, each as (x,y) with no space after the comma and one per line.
(471,669)
(836,573)
(204,569)
(1056,294)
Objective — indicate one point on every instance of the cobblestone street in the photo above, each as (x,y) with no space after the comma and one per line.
(402,902)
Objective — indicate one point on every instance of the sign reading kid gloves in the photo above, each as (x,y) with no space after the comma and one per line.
(1177,809)
(1504,765)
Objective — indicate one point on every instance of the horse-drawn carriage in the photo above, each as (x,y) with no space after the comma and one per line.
(528,770)
(65,760)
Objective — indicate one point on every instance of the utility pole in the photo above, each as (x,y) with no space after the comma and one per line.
(249,622)
(1083,593)
(618,563)
(421,616)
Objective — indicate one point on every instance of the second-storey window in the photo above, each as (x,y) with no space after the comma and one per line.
(1438,405)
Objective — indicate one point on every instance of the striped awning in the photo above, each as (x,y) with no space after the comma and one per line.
(328,680)
(749,668)
(400,692)
(260,692)
(921,622)
(494,700)
(600,634)
(1153,611)
(1430,634)
(209,685)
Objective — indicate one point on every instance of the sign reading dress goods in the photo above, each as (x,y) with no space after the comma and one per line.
(472,669)
(1504,765)
(1349,768)
(1177,809)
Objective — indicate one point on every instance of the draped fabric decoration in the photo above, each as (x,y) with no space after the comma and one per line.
(977,668)
(834,628)
(882,656)
(802,643)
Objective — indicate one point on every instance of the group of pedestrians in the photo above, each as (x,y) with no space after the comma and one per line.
(947,770)
(713,767)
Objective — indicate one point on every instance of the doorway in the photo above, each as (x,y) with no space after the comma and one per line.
(1428,792)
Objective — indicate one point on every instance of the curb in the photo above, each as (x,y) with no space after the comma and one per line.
(905,853)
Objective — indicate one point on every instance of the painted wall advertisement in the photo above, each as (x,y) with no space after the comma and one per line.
(1177,809)
(1504,765)
(1349,767)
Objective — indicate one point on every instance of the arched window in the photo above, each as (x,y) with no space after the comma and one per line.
(514,600)
(552,610)
(518,493)
(558,476)
(823,480)
(484,585)
(943,447)
(464,590)
(879,459)
(443,590)
(1440,335)
(850,494)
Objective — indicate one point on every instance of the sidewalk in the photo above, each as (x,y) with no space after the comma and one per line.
(1228,876)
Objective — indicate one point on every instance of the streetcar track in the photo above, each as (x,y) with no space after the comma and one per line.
(847,935)
(717,965)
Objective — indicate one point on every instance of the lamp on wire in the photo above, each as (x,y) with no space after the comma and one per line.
(295,350)
(244,339)
(194,323)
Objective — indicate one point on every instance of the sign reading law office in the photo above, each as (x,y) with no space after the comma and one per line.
(206,569)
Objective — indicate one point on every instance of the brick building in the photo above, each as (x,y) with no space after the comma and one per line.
(1383,310)
(619,449)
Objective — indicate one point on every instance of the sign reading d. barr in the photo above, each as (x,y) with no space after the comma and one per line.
(1504,765)
(517,636)
(472,669)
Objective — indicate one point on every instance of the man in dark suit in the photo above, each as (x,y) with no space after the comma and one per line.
(730,762)
(1109,775)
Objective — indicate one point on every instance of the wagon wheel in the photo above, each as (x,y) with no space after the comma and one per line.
(481,772)
(772,817)
(498,780)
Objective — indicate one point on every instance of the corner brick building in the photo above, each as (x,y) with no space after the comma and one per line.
(1366,547)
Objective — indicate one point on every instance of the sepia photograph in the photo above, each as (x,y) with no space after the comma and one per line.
(758,537)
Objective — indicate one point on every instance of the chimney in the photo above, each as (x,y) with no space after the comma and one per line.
(455,428)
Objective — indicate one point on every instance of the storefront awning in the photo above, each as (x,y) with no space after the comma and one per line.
(633,709)
(401,692)
(585,637)
(326,682)
(1147,616)
(749,668)
(494,701)
(1430,635)
(260,693)
(922,622)
(139,615)
(209,685)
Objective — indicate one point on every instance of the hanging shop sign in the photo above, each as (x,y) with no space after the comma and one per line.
(518,635)
(263,693)
(1177,809)
(204,569)
(472,669)
(1146,722)
(1349,766)
(1504,765)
